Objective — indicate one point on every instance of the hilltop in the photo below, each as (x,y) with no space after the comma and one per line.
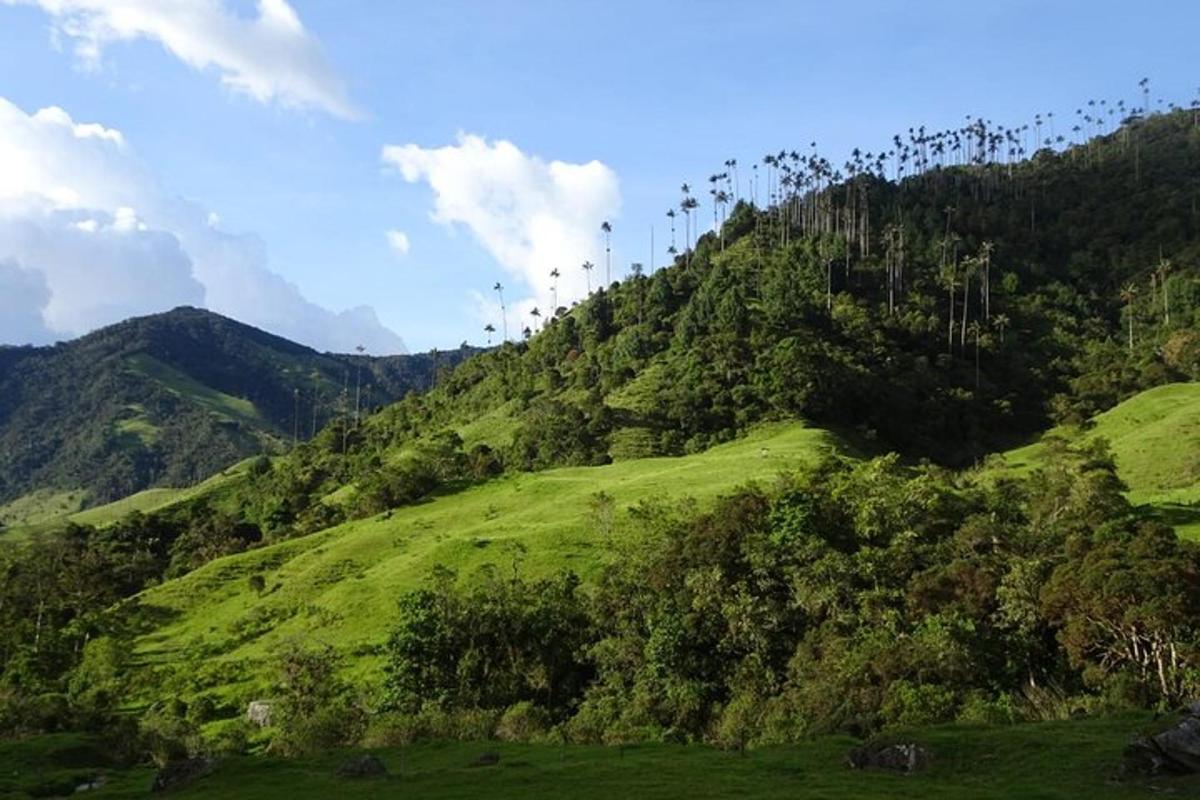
(167,400)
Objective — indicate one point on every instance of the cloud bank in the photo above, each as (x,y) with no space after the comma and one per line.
(532,216)
(269,57)
(89,237)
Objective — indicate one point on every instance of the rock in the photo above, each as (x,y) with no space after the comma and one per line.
(178,773)
(365,766)
(1175,751)
(91,785)
(906,757)
(259,713)
(486,760)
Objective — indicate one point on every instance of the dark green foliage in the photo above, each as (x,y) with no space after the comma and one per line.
(861,596)
(169,399)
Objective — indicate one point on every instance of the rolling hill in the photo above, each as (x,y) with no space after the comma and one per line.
(1155,440)
(166,400)
(341,585)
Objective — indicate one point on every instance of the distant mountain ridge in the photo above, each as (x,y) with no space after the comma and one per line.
(169,398)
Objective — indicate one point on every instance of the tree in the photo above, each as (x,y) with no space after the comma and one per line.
(1001,322)
(536,316)
(1128,294)
(1164,269)
(503,312)
(606,229)
(489,329)
(554,276)
(587,271)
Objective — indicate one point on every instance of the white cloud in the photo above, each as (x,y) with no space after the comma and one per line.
(23,293)
(269,57)
(105,240)
(398,241)
(532,216)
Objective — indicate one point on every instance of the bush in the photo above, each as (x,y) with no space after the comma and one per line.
(906,703)
(167,736)
(522,722)
(317,711)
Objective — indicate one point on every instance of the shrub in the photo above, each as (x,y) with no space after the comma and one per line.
(522,722)
(906,703)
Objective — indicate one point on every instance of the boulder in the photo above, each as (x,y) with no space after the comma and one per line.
(1175,751)
(365,766)
(486,760)
(92,784)
(259,713)
(906,757)
(178,773)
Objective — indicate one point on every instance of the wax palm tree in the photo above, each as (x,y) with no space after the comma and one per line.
(536,316)
(1163,269)
(489,329)
(671,217)
(976,331)
(503,312)
(1128,295)
(1001,322)
(554,276)
(587,270)
(606,229)
(949,277)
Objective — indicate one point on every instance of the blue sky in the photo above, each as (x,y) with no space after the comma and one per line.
(658,93)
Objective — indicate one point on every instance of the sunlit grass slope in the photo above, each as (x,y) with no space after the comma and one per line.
(340,586)
(60,508)
(1155,439)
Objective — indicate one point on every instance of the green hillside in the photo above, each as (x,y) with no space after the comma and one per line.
(341,585)
(166,400)
(1155,442)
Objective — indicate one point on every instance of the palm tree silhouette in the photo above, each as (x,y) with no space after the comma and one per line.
(587,270)
(503,312)
(554,275)
(489,329)
(606,229)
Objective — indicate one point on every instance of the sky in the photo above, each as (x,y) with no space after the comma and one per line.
(364,172)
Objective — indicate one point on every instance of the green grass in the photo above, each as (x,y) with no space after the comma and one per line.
(340,586)
(223,405)
(41,506)
(1052,760)
(1155,439)
(60,508)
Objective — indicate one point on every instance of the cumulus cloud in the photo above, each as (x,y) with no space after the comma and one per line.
(105,240)
(23,293)
(269,57)
(398,241)
(531,215)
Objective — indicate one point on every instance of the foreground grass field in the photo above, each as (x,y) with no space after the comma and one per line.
(340,586)
(1050,760)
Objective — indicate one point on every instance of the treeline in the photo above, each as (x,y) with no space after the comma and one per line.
(857,597)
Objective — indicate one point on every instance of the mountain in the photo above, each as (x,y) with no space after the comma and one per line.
(168,399)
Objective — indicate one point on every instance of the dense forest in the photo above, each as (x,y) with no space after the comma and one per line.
(169,399)
(974,296)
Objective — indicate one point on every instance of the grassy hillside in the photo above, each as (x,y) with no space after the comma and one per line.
(340,586)
(1155,441)
(1045,760)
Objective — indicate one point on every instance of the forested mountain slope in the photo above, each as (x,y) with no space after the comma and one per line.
(167,400)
